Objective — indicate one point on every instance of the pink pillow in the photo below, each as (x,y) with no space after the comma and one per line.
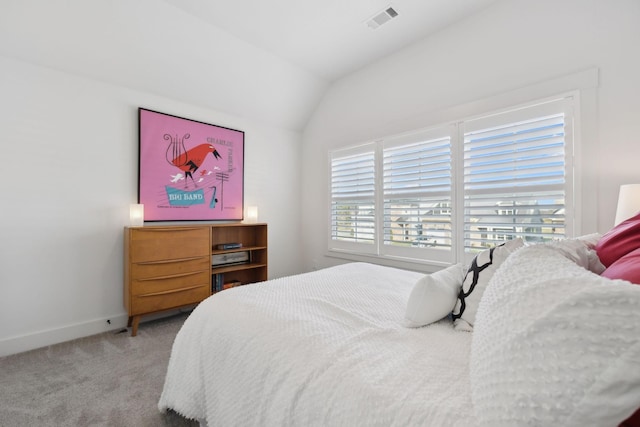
(626,268)
(619,241)
(632,421)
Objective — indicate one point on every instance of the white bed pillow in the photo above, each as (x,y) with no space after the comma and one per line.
(590,240)
(477,277)
(555,345)
(581,252)
(433,296)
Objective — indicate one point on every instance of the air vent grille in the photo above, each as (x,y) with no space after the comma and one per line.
(382,18)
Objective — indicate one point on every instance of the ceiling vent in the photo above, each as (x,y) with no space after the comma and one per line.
(382,18)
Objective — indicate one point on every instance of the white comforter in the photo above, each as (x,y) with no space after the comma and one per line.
(325,348)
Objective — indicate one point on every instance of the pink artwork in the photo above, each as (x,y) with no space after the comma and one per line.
(189,170)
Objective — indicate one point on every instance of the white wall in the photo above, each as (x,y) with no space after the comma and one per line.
(512,46)
(72,76)
(69,132)
(69,160)
(155,47)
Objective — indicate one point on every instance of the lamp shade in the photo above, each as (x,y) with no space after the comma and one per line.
(628,202)
(252,214)
(136,215)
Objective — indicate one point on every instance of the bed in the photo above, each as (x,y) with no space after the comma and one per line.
(557,345)
(322,348)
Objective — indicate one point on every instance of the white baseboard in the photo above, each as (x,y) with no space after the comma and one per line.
(48,337)
(53,336)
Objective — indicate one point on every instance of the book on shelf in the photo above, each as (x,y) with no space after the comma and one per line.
(217,281)
(231,284)
(219,284)
(227,246)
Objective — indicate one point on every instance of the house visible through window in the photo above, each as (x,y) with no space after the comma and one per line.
(471,184)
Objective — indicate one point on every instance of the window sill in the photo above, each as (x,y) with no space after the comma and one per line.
(414,264)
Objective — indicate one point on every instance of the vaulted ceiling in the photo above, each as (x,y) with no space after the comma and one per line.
(270,61)
(330,38)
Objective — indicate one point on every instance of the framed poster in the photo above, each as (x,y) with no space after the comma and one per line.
(189,170)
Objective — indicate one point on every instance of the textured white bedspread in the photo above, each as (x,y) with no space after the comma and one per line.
(325,348)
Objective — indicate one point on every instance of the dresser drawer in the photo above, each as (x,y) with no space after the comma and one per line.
(162,243)
(170,282)
(148,269)
(152,302)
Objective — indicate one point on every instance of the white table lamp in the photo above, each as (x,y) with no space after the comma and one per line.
(136,215)
(252,214)
(628,202)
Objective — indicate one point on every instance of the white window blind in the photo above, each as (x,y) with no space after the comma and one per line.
(441,194)
(514,176)
(417,192)
(353,213)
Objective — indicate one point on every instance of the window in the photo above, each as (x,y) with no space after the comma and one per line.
(514,175)
(416,193)
(353,212)
(452,190)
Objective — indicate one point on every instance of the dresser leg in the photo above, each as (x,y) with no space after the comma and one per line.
(134,325)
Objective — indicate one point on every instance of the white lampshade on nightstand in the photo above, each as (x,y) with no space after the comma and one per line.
(628,202)
(136,215)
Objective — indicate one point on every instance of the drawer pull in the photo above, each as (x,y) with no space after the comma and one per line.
(172,276)
(171,291)
(172,229)
(168,261)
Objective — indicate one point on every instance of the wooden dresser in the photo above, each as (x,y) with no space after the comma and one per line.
(167,267)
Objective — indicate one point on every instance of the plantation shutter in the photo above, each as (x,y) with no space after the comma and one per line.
(514,175)
(353,213)
(417,180)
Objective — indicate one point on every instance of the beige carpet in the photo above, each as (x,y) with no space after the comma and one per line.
(110,379)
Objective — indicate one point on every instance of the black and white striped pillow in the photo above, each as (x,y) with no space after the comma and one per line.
(475,281)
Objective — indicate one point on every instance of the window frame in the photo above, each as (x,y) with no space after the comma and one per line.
(421,137)
(565,104)
(583,92)
(345,245)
